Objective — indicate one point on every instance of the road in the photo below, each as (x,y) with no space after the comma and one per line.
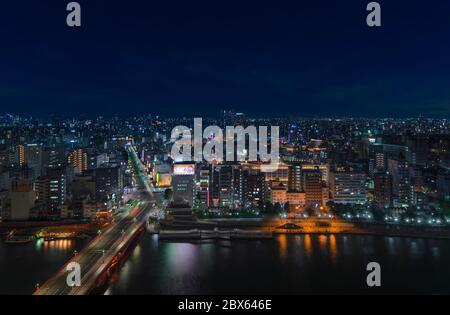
(97,256)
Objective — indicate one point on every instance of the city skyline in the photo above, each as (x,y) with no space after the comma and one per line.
(88,189)
(225,153)
(155,115)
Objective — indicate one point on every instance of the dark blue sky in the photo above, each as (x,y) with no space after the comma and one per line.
(265,58)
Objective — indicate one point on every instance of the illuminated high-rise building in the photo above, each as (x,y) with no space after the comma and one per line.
(183,183)
(312,186)
(52,157)
(254,188)
(51,192)
(382,189)
(109,183)
(295,177)
(377,159)
(79,159)
(348,187)
(278,172)
(202,187)
(418,150)
(401,184)
(227,186)
(21,154)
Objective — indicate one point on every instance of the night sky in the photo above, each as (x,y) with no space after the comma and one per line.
(264,58)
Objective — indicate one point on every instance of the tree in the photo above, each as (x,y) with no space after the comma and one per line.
(269,207)
(197,204)
(266,208)
(261,206)
(168,193)
(445,206)
(277,208)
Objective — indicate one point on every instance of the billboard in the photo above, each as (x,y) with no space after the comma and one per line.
(184,169)
(163,180)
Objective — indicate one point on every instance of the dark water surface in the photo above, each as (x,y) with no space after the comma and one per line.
(22,266)
(294,264)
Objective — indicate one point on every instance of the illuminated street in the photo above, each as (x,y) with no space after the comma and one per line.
(97,256)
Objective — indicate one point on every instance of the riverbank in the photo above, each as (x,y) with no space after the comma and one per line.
(18,233)
(216,234)
(185,229)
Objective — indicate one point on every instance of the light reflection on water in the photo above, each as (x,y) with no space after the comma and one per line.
(436,252)
(32,263)
(59,245)
(323,244)
(282,240)
(308,246)
(180,257)
(333,247)
(287,264)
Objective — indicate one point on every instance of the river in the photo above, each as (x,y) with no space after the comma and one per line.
(23,266)
(294,264)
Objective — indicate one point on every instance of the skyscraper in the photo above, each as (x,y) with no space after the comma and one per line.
(377,158)
(255,188)
(79,159)
(418,150)
(227,186)
(312,186)
(51,192)
(294,177)
(401,186)
(108,183)
(348,187)
(202,187)
(183,183)
(53,157)
(21,154)
(33,158)
(382,189)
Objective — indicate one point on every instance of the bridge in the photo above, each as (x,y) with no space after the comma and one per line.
(108,250)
